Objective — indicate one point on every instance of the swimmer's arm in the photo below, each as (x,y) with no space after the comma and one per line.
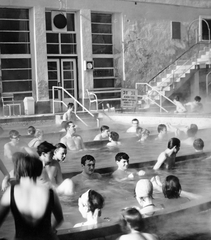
(161,159)
(82,144)
(7,152)
(29,150)
(5,205)
(59,178)
(189,195)
(57,212)
(3,169)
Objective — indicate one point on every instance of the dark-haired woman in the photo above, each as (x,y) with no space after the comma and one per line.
(30,203)
(132,223)
(166,159)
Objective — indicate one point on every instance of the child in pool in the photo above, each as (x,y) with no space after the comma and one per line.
(122,173)
(144,134)
(90,204)
(113,138)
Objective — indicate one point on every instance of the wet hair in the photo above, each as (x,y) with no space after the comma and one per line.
(145,132)
(31,130)
(177,98)
(66,124)
(38,133)
(103,128)
(173,142)
(132,217)
(161,127)
(191,132)
(87,158)
(96,201)
(135,120)
(138,129)
(60,145)
(14,133)
(121,155)
(26,166)
(70,105)
(171,187)
(198,144)
(197,99)
(45,147)
(114,136)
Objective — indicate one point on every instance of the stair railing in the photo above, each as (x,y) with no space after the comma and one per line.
(152,100)
(208,82)
(75,101)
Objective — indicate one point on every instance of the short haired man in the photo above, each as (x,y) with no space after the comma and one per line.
(71,140)
(162,132)
(113,140)
(198,145)
(195,106)
(69,115)
(104,133)
(15,145)
(135,125)
(51,174)
(122,173)
(88,172)
(60,152)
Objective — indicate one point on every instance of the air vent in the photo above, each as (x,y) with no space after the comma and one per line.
(59,21)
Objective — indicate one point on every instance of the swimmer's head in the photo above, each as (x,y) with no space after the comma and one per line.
(171,187)
(90,201)
(177,98)
(70,106)
(60,152)
(198,144)
(114,136)
(26,166)
(45,151)
(88,164)
(145,134)
(105,131)
(132,219)
(39,133)
(139,131)
(197,99)
(135,122)
(31,130)
(144,188)
(174,142)
(122,160)
(192,131)
(14,135)
(162,128)
(70,127)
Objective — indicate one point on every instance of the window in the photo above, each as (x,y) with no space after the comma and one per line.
(15,52)
(61,42)
(102,49)
(176,30)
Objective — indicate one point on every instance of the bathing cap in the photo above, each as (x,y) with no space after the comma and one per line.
(144,188)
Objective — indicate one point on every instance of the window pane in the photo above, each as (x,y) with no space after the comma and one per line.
(68,75)
(103,83)
(14,13)
(68,49)
(102,49)
(101,28)
(52,49)
(48,21)
(103,62)
(17,86)
(69,84)
(15,48)
(52,75)
(14,25)
(103,72)
(16,75)
(101,38)
(102,18)
(52,83)
(71,22)
(14,37)
(68,38)
(52,65)
(52,37)
(15,63)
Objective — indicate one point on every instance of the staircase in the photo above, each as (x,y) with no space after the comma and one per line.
(177,73)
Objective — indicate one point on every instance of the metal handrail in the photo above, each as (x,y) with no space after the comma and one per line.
(160,105)
(75,101)
(207,83)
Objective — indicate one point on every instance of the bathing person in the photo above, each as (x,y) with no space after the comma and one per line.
(139,131)
(37,140)
(133,223)
(162,132)
(144,135)
(180,108)
(60,152)
(15,145)
(113,140)
(30,203)
(195,106)
(122,173)
(166,159)
(90,204)
(73,141)
(104,133)
(191,135)
(198,145)
(5,183)
(135,125)
(31,131)
(88,166)
(51,173)
(144,196)
(69,115)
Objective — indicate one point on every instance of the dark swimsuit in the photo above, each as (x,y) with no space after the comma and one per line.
(28,228)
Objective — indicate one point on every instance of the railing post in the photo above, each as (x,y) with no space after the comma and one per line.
(53,102)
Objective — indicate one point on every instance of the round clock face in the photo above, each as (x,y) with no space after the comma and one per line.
(89,65)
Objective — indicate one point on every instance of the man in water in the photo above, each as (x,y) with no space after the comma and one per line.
(15,145)
(60,152)
(104,133)
(88,166)
(71,140)
(51,174)
(135,125)
(162,132)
